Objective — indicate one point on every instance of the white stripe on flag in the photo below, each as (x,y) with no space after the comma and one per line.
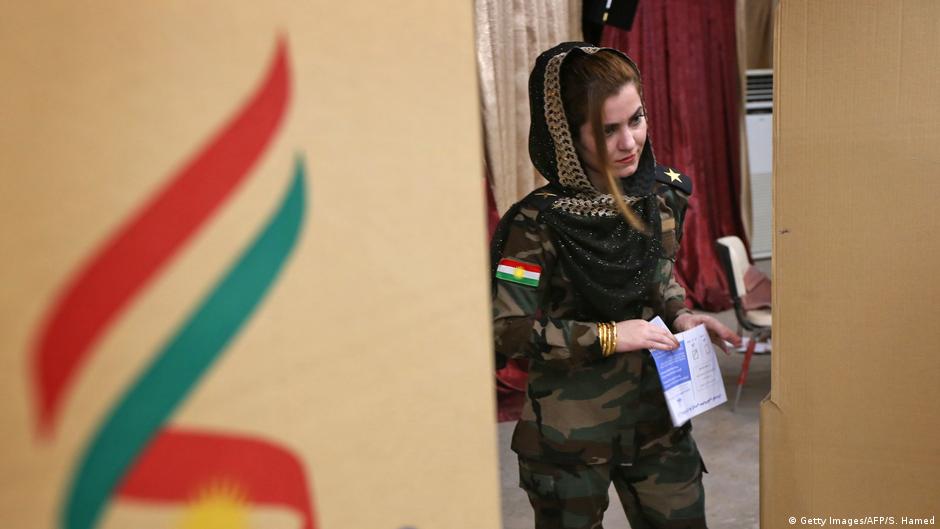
(511,270)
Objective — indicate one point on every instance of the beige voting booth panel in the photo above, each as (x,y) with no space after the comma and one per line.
(244,276)
(850,434)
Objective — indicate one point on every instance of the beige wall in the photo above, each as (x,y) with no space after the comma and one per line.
(369,357)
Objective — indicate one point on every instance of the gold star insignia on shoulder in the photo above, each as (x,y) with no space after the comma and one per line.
(673,175)
(674,179)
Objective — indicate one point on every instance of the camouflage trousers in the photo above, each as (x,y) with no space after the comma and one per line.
(662,490)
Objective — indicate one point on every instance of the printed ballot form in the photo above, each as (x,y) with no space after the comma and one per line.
(690,374)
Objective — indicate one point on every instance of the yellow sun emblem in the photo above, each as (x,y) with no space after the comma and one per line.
(519,272)
(220,505)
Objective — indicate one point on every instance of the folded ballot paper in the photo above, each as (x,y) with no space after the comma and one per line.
(690,374)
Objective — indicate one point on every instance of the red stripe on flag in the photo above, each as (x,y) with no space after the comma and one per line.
(516,264)
(128,259)
(177,465)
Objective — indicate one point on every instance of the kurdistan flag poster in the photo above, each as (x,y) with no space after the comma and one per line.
(193,201)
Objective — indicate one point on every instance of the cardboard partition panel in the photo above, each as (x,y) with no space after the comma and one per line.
(244,280)
(850,434)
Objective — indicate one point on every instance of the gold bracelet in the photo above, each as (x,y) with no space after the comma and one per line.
(613,337)
(607,335)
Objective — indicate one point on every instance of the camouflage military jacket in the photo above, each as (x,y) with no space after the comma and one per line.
(580,407)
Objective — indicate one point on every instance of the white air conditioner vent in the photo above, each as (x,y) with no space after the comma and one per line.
(759,122)
(760,91)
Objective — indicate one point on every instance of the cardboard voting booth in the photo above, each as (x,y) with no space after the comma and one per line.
(850,430)
(244,278)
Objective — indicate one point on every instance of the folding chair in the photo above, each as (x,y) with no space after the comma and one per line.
(734,260)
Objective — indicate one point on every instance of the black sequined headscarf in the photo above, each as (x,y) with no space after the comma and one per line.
(608,261)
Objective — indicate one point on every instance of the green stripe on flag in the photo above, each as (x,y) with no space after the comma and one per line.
(164,385)
(521,280)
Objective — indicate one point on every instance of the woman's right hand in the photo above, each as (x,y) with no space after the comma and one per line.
(641,334)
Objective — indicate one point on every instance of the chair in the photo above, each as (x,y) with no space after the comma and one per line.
(734,260)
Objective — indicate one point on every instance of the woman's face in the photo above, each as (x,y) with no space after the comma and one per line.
(624,125)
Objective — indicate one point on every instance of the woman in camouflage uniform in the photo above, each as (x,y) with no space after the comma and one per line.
(580,265)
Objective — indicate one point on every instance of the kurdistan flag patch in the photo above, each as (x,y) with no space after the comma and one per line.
(519,272)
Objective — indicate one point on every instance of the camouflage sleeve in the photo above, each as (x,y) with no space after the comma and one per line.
(522,324)
(672,292)
(674,298)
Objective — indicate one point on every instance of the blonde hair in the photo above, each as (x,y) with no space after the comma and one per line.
(587,80)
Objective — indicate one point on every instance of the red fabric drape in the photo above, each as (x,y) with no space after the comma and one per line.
(492,215)
(686,52)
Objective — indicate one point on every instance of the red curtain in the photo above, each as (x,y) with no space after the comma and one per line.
(687,54)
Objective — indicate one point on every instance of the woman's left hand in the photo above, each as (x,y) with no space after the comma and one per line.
(718,331)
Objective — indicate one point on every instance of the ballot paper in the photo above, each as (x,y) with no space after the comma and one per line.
(690,375)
